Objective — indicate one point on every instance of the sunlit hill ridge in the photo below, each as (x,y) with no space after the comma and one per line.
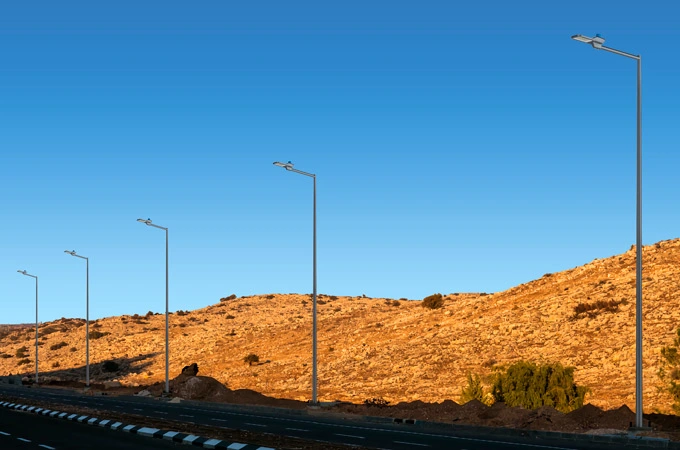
(390,348)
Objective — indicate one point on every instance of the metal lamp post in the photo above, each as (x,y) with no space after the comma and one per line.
(167,326)
(289,167)
(597,42)
(87,314)
(23,272)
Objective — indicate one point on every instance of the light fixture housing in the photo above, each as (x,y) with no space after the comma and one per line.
(145,221)
(596,41)
(288,166)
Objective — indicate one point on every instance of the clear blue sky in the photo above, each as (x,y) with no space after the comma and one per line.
(459,146)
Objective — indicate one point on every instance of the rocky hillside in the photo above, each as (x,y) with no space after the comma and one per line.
(394,349)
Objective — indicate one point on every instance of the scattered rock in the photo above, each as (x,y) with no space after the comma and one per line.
(112,384)
(143,393)
(190,370)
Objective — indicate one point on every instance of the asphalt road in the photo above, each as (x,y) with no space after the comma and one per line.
(27,431)
(301,424)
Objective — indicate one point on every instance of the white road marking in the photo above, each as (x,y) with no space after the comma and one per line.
(411,443)
(47,447)
(254,424)
(297,429)
(350,436)
(219,420)
(137,409)
(23,440)
(160,412)
(5,434)
(184,415)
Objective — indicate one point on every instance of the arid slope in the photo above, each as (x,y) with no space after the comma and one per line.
(395,350)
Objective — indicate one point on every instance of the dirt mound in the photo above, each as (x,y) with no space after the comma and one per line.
(549,419)
(587,417)
(619,419)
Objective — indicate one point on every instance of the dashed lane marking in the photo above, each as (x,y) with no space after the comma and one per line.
(47,447)
(411,443)
(297,429)
(185,415)
(5,434)
(255,424)
(23,440)
(350,436)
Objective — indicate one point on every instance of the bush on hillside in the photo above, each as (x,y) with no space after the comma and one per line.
(251,359)
(226,299)
(473,390)
(669,373)
(98,334)
(531,386)
(21,352)
(23,361)
(594,308)
(58,346)
(433,301)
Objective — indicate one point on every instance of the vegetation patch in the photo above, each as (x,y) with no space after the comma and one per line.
(593,309)
(98,334)
(669,373)
(531,386)
(434,301)
(23,362)
(251,359)
(58,346)
(22,352)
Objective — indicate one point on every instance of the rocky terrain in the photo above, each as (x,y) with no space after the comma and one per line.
(390,349)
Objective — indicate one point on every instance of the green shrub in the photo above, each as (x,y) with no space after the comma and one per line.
(251,359)
(433,301)
(58,346)
(669,373)
(531,386)
(473,390)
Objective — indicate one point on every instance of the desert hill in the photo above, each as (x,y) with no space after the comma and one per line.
(394,349)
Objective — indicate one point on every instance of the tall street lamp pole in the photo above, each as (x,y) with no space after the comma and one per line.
(167,326)
(87,314)
(289,167)
(23,272)
(597,42)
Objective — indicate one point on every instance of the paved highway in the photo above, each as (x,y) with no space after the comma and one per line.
(308,426)
(26,431)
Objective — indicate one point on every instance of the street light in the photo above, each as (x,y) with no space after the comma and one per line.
(87,314)
(289,167)
(23,272)
(167,326)
(597,43)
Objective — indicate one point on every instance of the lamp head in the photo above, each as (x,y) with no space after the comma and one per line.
(23,272)
(145,221)
(287,166)
(596,41)
(70,252)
